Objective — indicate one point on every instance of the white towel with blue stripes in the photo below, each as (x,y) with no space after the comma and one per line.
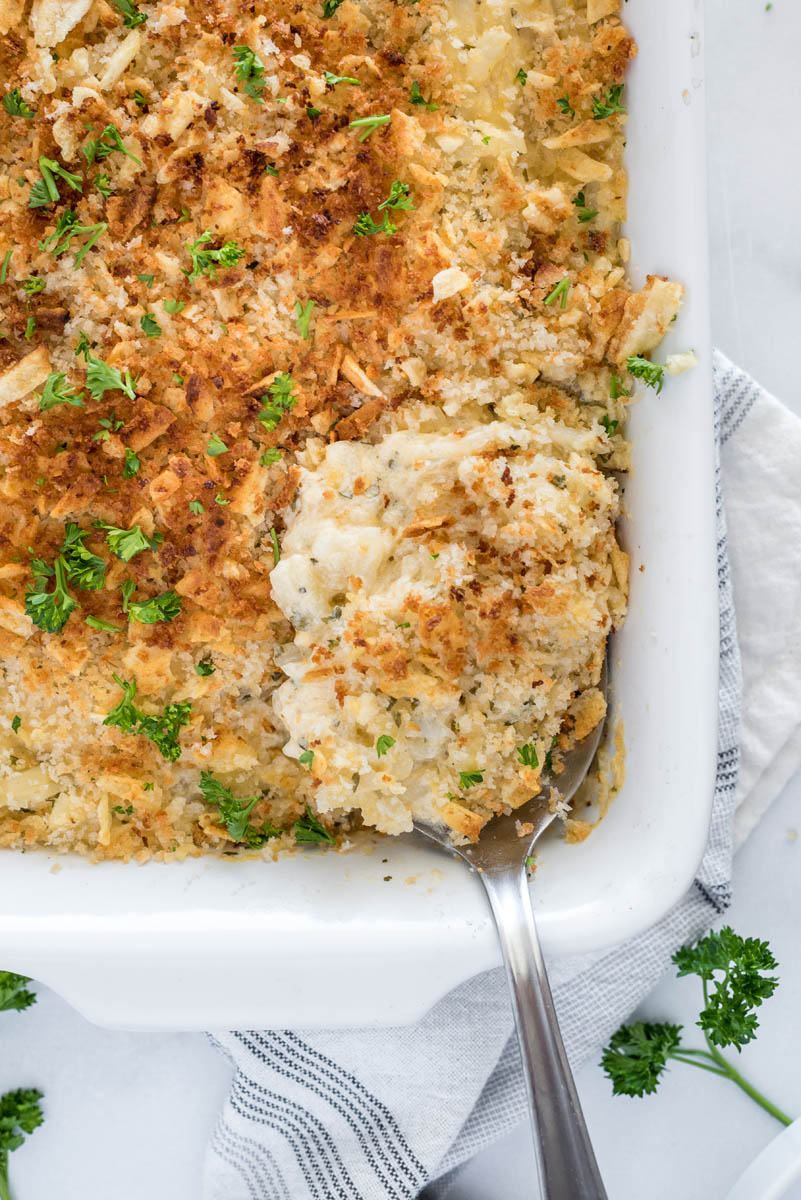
(390,1114)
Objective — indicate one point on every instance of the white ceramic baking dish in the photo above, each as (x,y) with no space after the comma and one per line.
(322,938)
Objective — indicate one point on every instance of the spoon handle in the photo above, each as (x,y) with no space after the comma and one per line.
(565,1158)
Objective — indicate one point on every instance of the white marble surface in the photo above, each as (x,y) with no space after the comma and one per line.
(129,1114)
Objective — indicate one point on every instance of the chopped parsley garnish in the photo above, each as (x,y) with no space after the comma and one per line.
(384,744)
(131,465)
(250,72)
(30,326)
(303,317)
(150,326)
(365,225)
(270,457)
(4,267)
(220,499)
(610,103)
(164,607)
(16,721)
(67,228)
(234,813)
(108,425)
(561,290)
(84,569)
(277,401)
(82,346)
(398,197)
(206,262)
(138,99)
(583,213)
(33,285)
(102,626)
(131,15)
(49,610)
(173,306)
(369,125)
(468,779)
(652,374)
(609,424)
(45,190)
(313,113)
(15,106)
(103,185)
(306,758)
(109,142)
(101,378)
(330,7)
(616,389)
(527,755)
(55,392)
(566,107)
(123,812)
(126,543)
(196,508)
(162,731)
(332,80)
(205,667)
(216,446)
(417,97)
(309,829)
(522,76)
(276,547)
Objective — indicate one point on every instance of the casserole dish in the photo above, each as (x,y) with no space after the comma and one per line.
(379,933)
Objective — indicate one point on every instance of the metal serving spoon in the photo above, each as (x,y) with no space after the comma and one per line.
(565,1158)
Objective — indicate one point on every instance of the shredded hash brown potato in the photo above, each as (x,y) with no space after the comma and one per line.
(315,325)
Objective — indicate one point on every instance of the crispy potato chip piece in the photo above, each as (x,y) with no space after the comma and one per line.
(646,318)
(52,20)
(29,373)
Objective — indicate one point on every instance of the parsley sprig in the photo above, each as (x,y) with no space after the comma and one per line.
(583,213)
(652,374)
(417,97)
(369,125)
(110,140)
(206,262)
(609,104)
(68,227)
(131,15)
(15,106)
(309,830)
(250,72)
(13,992)
(364,225)
(164,607)
(234,814)
(733,973)
(162,731)
(56,392)
(101,378)
(278,400)
(20,1114)
(126,543)
(45,190)
(49,610)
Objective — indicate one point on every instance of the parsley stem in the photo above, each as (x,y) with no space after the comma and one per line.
(693,1062)
(735,1076)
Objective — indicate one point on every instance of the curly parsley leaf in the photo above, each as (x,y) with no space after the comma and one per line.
(732,970)
(56,392)
(15,106)
(250,72)
(161,730)
(164,607)
(205,667)
(216,446)
(101,378)
(566,107)
(150,326)
(365,225)
(309,830)
(206,262)
(303,315)
(637,1055)
(468,779)
(13,992)
(131,15)
(49,610)
(277,401)
(20,1114)
(583,213)
(45,190)
(234,813)
(84,569)
(330,7)
(609,105)
(417,97)
(125,543)
(398,197)
(384,744)
(131,465)
(652,374)
(110,141)
(527,755)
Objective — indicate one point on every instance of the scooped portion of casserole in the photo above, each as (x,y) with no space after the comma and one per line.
(315,353)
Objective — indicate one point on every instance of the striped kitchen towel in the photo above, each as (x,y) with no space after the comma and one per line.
(385,1114)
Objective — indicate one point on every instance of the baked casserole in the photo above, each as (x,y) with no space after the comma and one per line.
(316,348)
